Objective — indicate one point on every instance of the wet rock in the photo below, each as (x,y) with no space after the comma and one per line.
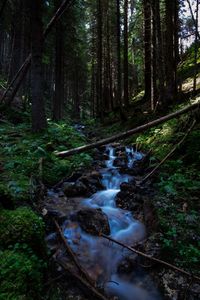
(105,156)
(93,221)
(125,266)
(120,163)
(130,187)
(92,181)
(72,189)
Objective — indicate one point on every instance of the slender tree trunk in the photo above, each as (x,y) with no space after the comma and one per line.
(38,110)
(169,51)
(59,72)
(118,53)
(147,50)
(196,47)
(126,93)
(160,57)
(154,96)
(100,107)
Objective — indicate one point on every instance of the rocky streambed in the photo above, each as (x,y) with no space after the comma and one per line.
(108,200)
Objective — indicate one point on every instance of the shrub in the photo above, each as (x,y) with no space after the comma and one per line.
(20,276)
(22,226)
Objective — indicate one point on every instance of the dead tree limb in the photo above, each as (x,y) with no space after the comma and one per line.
(162,262)
(91,288)
(192,15)
(70,252)
(65,5)
(18,78)
(129,132)
(168,155)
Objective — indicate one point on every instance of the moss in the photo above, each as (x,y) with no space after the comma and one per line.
(22,226)
(27,158)
(20,276)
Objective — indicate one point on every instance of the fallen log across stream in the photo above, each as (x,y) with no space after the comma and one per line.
(162,262)
(128,133)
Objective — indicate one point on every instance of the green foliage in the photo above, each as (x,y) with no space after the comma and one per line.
(186,68)
(180,235)
(20,276)
(33,156)
(22,226)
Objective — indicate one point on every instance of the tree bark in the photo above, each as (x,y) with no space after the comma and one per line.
(100,108)
(129,132)
(58,98)
(118,53)
(196,47)
(38,110)
(126,93)
(147,50)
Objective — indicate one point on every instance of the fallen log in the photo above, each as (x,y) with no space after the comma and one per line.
(129,132)
(162,262)
(91,288)
(168,155)
(70,252)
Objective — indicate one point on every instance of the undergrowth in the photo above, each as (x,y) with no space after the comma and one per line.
(26,157)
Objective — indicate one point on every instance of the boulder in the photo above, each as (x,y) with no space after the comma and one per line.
(73,189)
(93,221)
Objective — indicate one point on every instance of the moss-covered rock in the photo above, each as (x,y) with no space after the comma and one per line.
(22,226)
(20,276)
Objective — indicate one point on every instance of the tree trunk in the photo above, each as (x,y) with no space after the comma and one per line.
(147,50)
(38,110)
(100,107)
(118,54)
(196,47)
(160,57)
(58,98)
(126,93)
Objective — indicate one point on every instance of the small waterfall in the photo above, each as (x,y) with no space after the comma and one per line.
(101,258)
(132,156)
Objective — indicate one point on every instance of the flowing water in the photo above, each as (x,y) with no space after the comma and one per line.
(100,257)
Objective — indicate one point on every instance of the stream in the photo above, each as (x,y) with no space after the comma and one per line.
(103,260)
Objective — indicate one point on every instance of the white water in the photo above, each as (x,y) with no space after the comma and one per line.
(99,256)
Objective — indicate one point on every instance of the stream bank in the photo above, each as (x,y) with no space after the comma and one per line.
(107,200)
(95,202)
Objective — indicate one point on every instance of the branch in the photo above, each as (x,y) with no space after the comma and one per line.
(129,132)
(65,5)
(152,258)
(91,288)
(168,155)
(193,19)
(70,252)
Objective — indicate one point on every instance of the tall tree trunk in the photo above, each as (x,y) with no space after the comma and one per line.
(196,47)
(147,50)
(15,61)
(169,51)
(154,96)
(126,91)
(38,110)
(100,107)
(58,98)
(160,57)
(118,53)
